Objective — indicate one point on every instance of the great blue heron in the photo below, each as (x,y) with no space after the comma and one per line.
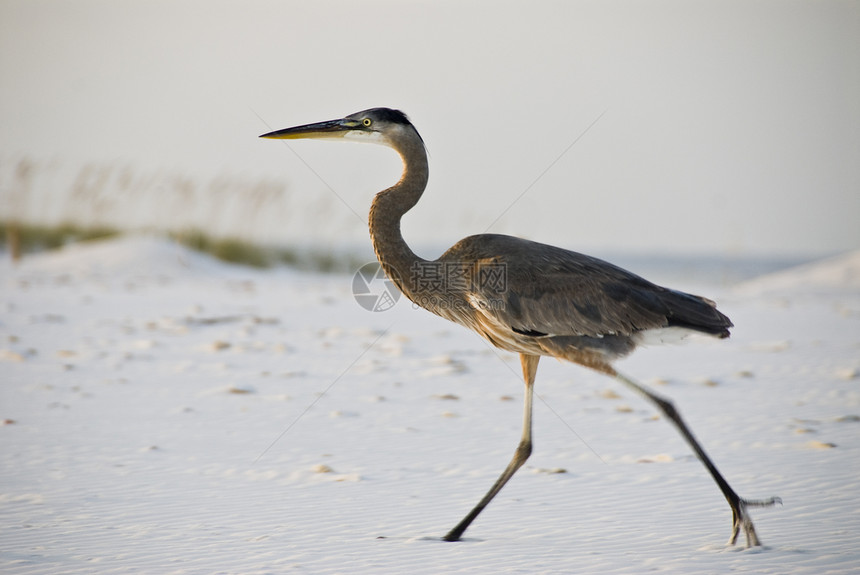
(529,298)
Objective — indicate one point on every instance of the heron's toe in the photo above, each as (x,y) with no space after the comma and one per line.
(741,519)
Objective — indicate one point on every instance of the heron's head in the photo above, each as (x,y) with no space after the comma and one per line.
(377,125)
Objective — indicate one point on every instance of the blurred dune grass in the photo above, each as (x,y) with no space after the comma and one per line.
(259,222)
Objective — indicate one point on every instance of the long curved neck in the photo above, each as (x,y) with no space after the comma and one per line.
(395,256)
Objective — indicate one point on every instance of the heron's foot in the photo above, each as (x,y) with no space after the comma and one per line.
(454,535)
(742,520)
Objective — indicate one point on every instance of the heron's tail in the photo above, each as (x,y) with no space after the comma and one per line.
(696,313)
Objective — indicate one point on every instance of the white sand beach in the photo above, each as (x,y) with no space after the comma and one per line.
(168,413)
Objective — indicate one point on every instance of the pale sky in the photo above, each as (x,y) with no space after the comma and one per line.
(727,127)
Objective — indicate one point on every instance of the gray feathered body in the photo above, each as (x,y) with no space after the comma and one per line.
(539,299)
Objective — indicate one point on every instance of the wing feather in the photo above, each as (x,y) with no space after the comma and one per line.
(550,291)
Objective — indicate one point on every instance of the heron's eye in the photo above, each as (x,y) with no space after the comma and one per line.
(367,122)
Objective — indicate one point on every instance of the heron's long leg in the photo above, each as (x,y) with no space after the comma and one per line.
(524,449)
(740,517)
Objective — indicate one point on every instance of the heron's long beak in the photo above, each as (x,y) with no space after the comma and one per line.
(330,129)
